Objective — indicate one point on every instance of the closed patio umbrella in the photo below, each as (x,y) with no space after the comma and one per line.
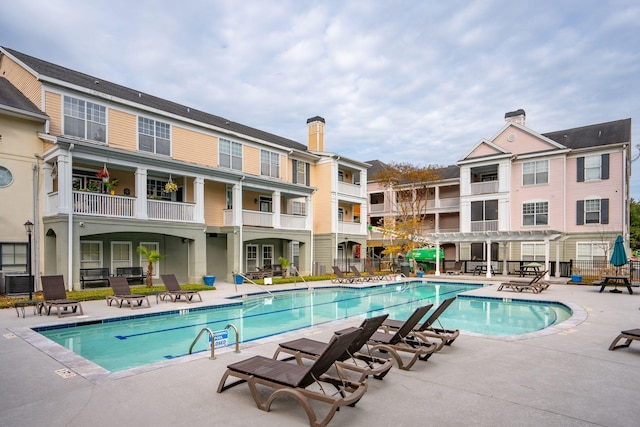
(618,257)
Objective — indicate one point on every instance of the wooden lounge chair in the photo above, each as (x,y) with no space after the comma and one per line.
(341,278)
(304,384)
(360,277)
(122,293)
(174,292)
(400,341)
(351,360)
(535,285)
(426,330)
(628,335)
(55,295)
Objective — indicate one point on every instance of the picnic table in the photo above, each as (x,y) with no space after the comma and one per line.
(528,270)
(610,280)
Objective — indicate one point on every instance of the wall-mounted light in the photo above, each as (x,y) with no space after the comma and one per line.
(184,240)
(255,201)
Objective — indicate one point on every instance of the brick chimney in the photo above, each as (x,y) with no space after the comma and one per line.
(516,117)
(316,133)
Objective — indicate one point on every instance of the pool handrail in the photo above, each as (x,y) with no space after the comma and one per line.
(295,282)
(250,281)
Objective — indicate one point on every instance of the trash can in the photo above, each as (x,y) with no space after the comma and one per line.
(405,269)
(209,280)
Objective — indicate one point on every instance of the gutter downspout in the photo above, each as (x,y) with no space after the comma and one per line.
(36,218)
(70,226)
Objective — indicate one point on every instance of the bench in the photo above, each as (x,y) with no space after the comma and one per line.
(133,274)
(89,276)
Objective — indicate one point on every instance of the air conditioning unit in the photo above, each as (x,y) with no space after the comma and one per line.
(15,283)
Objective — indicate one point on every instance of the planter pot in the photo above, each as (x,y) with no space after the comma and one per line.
(209,280)
(575,278)
(420,273)
(239,279)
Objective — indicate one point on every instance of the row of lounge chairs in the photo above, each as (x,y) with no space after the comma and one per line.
(536,285)
(366,350)
(357,277)
(55,294)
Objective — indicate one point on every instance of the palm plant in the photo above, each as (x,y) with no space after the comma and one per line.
(151,256)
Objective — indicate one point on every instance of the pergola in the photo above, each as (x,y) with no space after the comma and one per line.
(489,237)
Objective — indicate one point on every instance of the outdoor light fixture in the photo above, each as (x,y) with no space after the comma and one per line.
(28,226)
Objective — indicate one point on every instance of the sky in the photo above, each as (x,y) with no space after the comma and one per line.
(399,81)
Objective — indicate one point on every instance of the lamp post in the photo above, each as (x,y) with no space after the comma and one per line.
(28,226)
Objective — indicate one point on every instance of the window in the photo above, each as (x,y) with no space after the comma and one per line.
(300,172)
(252,258)
(120,255)
(592,211)
(269,164)
(536,213)
(593,168)
(533,251)
(484,215)
(85,119)
(154,136)
(535,172)
(86,180)
(151,246)
(592,251)
(230,154)
(265,204)
(229,197)
(90,254)
(340,176)
(340,214)
(13,257)
(298,207)
(155,189)
(267,256)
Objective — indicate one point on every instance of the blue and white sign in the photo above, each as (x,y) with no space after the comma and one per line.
(220,339)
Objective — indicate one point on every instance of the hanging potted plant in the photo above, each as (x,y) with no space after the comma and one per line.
(103,174)
(170,186)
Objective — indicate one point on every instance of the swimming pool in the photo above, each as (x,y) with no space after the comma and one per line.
(132,341)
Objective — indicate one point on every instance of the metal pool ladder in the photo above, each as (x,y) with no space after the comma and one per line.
(213,342)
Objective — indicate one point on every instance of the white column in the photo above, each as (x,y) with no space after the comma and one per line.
(237,204)
(505,267)
(558,259)
(309,214)
(546,258)
(437,258)
(65,173)
(141,193)
(488,245)
(276,198)
(198,196)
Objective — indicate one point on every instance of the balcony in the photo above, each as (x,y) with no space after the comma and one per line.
(349,227)
(486,187)
(349,189)
(253,218)
(484,225)
(376,208)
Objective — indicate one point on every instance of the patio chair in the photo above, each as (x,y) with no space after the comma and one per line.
(174,292)
(341,278)
(426,331)
(360,277)
(304,384)
(55,295)
(628,335)
(380,276)
(400,341)
(352,359)
(457,268)
(122,293)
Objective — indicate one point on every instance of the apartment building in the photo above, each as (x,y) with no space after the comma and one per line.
(526,196)
(121,169)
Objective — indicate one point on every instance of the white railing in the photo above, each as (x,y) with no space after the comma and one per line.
(349,227)
(257,218)
(51,205)
(228,217)
(350,189)
(484,225)
(293,222)
(87,203)
(450,202)
(376,208)
(170,211)
(486,187)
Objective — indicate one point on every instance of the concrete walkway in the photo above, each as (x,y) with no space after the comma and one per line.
(565,377)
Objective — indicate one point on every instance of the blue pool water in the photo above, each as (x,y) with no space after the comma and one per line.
(132,341)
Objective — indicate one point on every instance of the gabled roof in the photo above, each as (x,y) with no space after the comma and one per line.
(446,172)
(616,132)
(46,71)
(12,100)
(496,150)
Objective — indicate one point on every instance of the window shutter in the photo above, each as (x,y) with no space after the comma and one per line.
(580,169)
(294,168)
(604,173)
(580,212)
(307,174)
(604,211)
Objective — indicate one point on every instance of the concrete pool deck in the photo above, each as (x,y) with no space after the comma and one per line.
(566,376)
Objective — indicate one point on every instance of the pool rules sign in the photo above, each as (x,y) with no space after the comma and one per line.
(220,339)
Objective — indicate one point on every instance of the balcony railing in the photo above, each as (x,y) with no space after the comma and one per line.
(257,218)
(266,219)
(486,187)
(349,227)
(97,204)
(484,225)
(376,208)
(350,189)
(170,211)
(293,222)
